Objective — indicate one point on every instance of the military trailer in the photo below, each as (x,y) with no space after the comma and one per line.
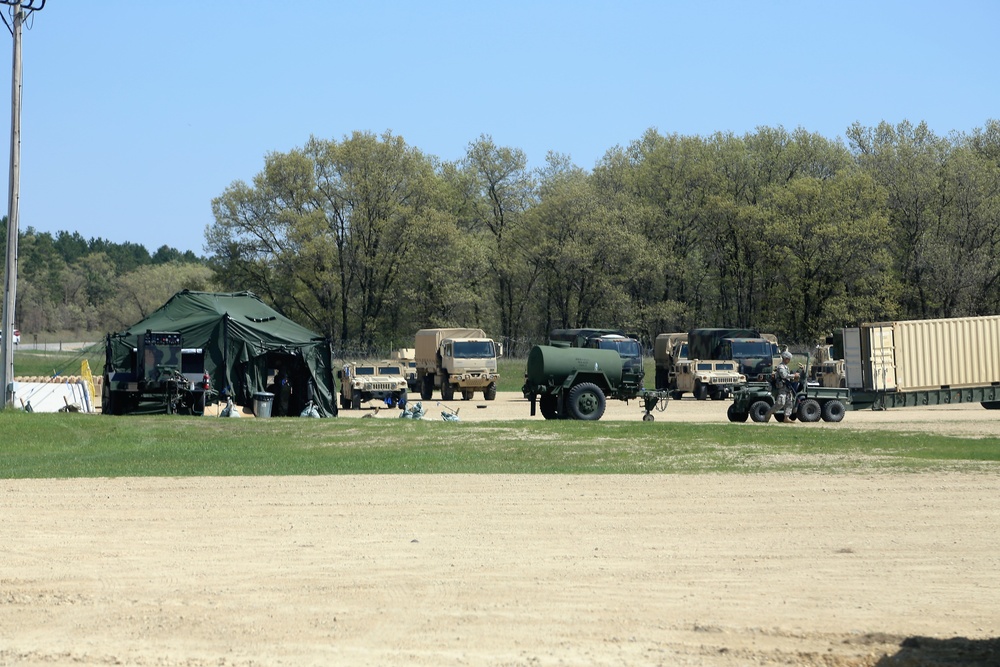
(160,375)
(924,362)
(456,360)
(811,402)
(626,345)
(575,383)
(384,381)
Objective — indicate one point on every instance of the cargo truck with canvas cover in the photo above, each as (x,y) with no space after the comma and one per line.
(456,360)
(668,349)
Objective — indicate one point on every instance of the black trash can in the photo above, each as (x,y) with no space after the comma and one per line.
(262,402)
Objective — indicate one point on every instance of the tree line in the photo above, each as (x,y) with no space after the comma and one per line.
(366,239)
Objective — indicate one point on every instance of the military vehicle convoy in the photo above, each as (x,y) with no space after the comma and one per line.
(384,381)
(161,375)
(711,362)
(905,363)
(456,360)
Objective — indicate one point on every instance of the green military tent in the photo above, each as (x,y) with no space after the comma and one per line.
(245,342)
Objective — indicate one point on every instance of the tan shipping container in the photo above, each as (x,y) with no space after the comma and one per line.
(916,355)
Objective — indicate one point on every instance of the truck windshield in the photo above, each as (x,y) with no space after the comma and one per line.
(474,349)
(627,348)
(748,350)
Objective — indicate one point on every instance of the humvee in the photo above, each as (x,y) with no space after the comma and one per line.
(384,381)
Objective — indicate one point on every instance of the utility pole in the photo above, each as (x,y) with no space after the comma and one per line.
(20,8)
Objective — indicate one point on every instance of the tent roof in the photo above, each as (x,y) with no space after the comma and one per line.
(197,313)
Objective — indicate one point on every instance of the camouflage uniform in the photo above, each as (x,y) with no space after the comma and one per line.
(785,400)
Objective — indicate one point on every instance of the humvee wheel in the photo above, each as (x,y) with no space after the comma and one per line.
(549,405)
(700,390)
(759,410)
(586,402)
(676,395)
(490,393)
(809,410)
(833,411)
(427,388)
(736,415)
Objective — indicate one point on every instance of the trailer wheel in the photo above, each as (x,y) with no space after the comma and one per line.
(759,411)
(586,402)
(736,415)
(549,405)
(809,410)
(833,411)
(490,393)
(700,390)
(356,401)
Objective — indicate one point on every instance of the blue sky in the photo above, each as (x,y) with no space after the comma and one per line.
(137,113)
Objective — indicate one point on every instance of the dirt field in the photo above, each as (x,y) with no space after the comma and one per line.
(730,570)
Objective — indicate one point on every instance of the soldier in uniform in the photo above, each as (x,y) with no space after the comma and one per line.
(783,379)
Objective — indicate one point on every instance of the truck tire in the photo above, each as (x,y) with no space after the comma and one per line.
(662,379)
(356,402)
(700,390)
(490,393)
(447,389)
(427,387)
(549,405)
(736,415)
(108,399)
(586,402)
(759,411)
(809,410)
(833,411)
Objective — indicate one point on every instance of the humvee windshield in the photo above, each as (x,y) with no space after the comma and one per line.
(364,370)
(389,370)
(473,349)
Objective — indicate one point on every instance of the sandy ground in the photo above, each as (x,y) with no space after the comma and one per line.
(715,570)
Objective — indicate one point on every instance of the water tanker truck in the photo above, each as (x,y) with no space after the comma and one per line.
(576,382)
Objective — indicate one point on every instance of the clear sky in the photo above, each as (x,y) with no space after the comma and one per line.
(137,113)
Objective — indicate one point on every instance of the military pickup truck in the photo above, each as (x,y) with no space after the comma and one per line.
(384,381)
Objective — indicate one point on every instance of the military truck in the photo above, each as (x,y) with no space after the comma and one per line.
(384,381)
(626,345)
(575,383)
(713,364)
(456,360)
(407,357)
(668,348)
(160,375)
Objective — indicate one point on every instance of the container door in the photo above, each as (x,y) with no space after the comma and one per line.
(881,356)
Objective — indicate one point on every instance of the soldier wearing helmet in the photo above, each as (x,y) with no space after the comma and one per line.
(783,379)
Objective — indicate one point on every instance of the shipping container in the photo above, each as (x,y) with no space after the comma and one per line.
(922,355)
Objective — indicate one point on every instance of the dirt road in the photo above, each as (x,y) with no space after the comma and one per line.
(715,570)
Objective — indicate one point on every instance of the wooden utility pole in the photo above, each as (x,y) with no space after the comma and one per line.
(10,270)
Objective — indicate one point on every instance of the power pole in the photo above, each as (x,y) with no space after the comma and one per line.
(20,8)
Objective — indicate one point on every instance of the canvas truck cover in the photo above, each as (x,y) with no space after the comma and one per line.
(427,341)
(242,338)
